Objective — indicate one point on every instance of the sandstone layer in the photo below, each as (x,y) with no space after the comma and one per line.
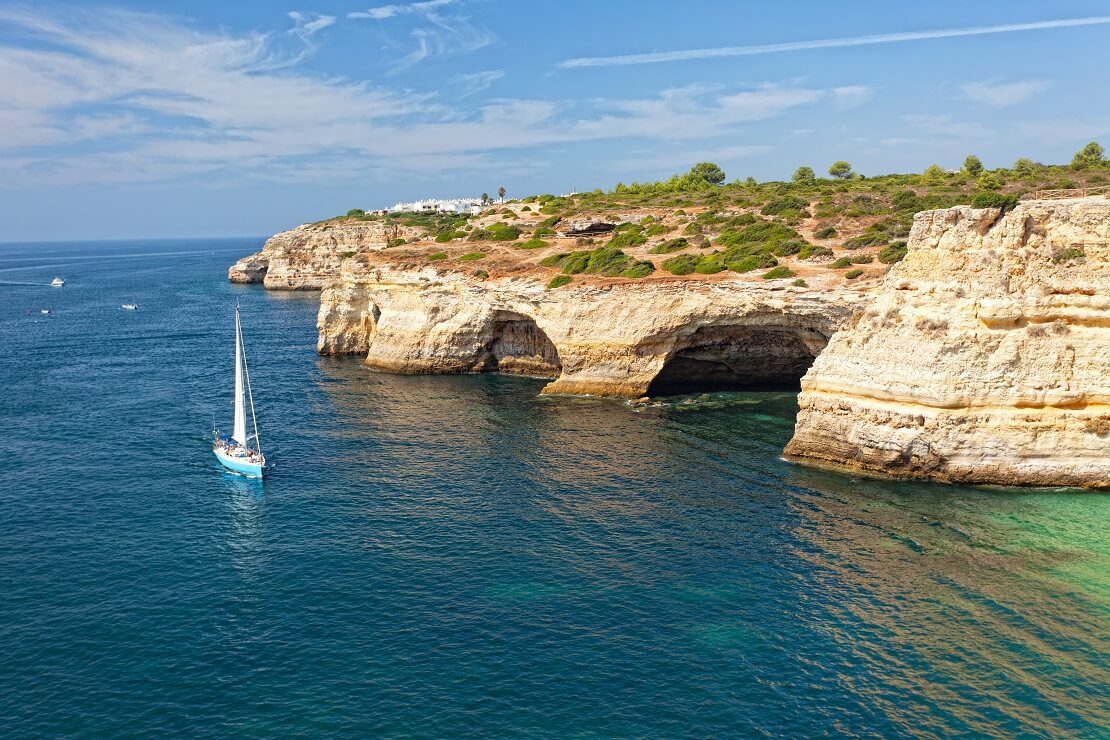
(981,358)
(309,257)
(618,339)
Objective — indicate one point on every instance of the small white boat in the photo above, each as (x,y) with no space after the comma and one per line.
(129,306)
(233,450)
(57,282)
(45,311)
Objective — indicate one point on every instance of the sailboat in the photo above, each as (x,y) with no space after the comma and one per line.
(234,450)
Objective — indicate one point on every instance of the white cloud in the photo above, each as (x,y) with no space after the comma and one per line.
(1000,94)
(476,82)
(883,38)
(307,24)
(850,96)
(439,33)
(943,127)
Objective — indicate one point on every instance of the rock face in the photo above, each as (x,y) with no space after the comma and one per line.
(982,358)
(310,256)
(618,339)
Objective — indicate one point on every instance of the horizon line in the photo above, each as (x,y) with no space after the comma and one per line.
(883,38)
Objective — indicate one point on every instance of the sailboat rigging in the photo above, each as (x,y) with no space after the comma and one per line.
(234,451)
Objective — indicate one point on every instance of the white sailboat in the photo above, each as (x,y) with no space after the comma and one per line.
(234,451)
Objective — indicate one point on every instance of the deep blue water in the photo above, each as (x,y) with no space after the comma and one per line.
(439,556)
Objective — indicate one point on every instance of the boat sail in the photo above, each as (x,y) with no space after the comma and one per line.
(234,451)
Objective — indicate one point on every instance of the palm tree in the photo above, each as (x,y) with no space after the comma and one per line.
(485,198)
(501,193)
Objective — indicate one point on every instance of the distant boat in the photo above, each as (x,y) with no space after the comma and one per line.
(234,451)
(45,311)
(129,306)
(57,282)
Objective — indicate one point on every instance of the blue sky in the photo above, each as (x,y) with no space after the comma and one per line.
(201,118)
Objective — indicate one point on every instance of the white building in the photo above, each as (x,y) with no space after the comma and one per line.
(440,205)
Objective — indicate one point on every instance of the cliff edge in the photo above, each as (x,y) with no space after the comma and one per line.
(981,358)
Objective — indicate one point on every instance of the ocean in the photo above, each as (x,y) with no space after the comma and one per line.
(446,556)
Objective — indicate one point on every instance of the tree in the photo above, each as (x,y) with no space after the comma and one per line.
(841,170)
(709,172)
(485,199)
(356,212)
(973,165)
(501,193)
(1091,155)
(989,181)
(804,175)
(934,173)
(1025,167)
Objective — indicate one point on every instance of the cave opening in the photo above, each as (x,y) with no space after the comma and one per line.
(517,346)
(733,358)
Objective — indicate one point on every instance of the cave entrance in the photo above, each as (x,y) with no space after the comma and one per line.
(731,358)
(518,346)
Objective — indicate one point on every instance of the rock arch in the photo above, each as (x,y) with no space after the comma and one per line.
(748,356)
(516,345)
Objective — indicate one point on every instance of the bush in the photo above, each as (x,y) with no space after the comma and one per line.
(841,263)
(472,256)
(1005,201)
(826,233)
(544,231)
(347,255)
(989,181)
(628,238)
(436,256)
(779,272)
(449,234)
(804,175)
(356,212)
(784,205)
(395,242)
(905,200)
(1025,167)
(683,264)
(752,262)
(532,244)
(482,274)
(672,245)
(605,261)
(799,283)
(811,250)
(973,165)
(1067,254)
(893,253)
(559,281)
(496,232)
(853,274)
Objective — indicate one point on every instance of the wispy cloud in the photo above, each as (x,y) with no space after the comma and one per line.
(308,24)
(437,33)
(883,38)
(476,82)
(1000,94)
(849,96)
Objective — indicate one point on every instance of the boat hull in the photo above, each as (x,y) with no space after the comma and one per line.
(238,465)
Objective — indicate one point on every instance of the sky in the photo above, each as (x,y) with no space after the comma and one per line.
(201,118)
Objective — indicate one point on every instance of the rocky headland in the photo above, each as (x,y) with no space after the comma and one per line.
(976,358)
(980,359)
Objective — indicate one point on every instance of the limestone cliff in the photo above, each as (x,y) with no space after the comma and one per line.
(982,357)
(619,339)
(309,256)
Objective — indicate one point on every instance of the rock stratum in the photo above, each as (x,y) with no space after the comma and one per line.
(982,357)
(622,340)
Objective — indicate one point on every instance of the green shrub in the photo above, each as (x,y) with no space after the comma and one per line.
(549,222)
(449,234)
(628,238)
(986,199)
(396,242)
(1067,254)
(826,233)
(804,176)
(810,251)
(989,181)
(482,274)
(532,244)
(559,281)
(347,255)
(905,200)
(841,263)
(853,274)
(893,253)
(672,245)
(752,262)
(605,261)
(683,264)
(544,231)
(693,229)
(496,232)
(436,256)
(657,229)
(800,283)
(356,212)
(471,256)
(787,248)
(784,205)
(779,272)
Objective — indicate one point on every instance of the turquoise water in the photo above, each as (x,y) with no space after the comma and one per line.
(436,556)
